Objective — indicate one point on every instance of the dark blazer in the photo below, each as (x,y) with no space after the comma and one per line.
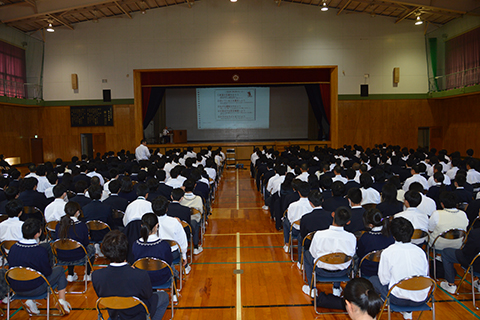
(116,202)
(333,203)
(351,184)
(125,281)
(318,219)
(470,250)
(472,212)
(175,209)
(464,196)
(81,199)
(81,176)
(31,198)
(390,209)
(96,210)
(164,190)
(356,221)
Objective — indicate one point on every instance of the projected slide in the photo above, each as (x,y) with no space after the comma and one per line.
(233,108)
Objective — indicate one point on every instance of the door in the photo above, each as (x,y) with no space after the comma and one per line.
(36,148)
(99,144)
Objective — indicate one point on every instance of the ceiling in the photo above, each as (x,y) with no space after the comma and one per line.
(34,15)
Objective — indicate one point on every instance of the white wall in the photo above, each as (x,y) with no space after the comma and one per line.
(224,34)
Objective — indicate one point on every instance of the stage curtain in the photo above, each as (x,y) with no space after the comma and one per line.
(13,75)
(152,98)
(462,60)
(314,93)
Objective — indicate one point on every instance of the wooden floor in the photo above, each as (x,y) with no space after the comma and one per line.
(243,272)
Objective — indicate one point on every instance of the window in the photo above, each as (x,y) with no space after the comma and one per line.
(13,73)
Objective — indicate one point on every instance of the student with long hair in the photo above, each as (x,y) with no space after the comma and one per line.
(361,300)
(70,227)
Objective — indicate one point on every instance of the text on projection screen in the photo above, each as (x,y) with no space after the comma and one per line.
(233,108)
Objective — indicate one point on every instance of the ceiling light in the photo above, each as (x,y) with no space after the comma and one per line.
(233,0)
(418,21)
(50,28)
(324,6)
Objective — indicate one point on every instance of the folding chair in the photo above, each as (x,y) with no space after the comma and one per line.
(290,238)
(200,236)
(26,274)
(373,256)
(96,225)
(452,234)
(32,212)
(50,229)
(68,245)
(330,258)
(421,234)
(414,283)
(473,274)
(120,303)
(185,225)
(178,261)
(5,247)
(154,264)
(470,229)
(3,217)
(309,237)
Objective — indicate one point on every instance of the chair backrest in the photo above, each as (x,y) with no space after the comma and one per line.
(185,224)
(66,244)
(120,303)
(334,258)
(23,274)
(3,217)
(419,234)
(50,226)
(194,211)
(373,256)
(117,214)
(309,236)
(471,227)
(416,283)
(151,264)
(97,225)
(7,244)
(173,243)
(451,234)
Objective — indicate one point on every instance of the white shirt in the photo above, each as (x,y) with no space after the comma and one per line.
(473,176)
(452,172)
(142,153)
(96,174)
(446,181)
(271,182)
(415,178)
(136,209)
(55,210)
(303,176)
(400,261)
(370,195)
(170,229)
(418,219)
(277,184)
(193,201)
(338,177)
(11,229)
(334,239)
(212,173)
(443,220)
(43,184)
(427,205)
(176,182)
(296,210)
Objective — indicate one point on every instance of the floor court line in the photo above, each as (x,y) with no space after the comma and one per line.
(238,278)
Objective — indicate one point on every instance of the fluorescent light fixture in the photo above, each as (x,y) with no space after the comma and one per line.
(50,28)
(324,6)
(233,0)
(418,21)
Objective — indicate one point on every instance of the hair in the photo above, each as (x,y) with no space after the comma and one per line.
(31,227)
(142,141)
(114,186)
(402,229)
(439,177)
(115,246)
(11,193)
(416,186)
(304,188)
(177,194)
(66,221)
(30,183)
(315,197)
(374,217)
(52,177)
(127,185)
(189,185)
(338,189)
(160,175)
(95,192)
(389,193)
(366,180)
(160,206)
(80,186)
(149,221)
(361,293)
(59,190)
(355,195)
(14,207)
(460,179)
(449,199)
(350,173)
(413,197)
(342,216)
(142,190)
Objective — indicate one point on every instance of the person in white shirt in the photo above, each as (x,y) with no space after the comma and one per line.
(401,260)
(304,172)
(176,180)
(446,179)
(338,175)
(473,176)
(295,212)
(56,210)
(369,194)
(334,239)
(142,152)
(418,218)
(43,183)
(416,177)
(193,201)
(448,218)
(427,205)
(170,228)
(455,167)
(93,173)
(11,229)
(137,208)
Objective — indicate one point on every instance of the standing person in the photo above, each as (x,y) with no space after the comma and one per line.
(120,279)
(142,152)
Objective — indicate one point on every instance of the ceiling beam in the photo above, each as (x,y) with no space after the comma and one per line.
(406,14)
(33,3)
(124,11)
(343,7)
(58,19)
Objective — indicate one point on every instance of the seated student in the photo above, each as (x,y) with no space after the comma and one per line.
(418,219)
(11,193)
(56,210)
(318,219)
(11,229)
(80,198)
(28,253)
(31,197)
(326,187)
(437,188)
(295,212)
(338,199)
(416,177)
(136,209)
(448,218)
(170,228)
(70,227)
(464,256)
(351,183)
(126,189)
(464,196)
(334,239)
(193,201)
(361,300)
(356,221)
(114,200)
(390,204)
(176,210)
(163,189)
(150,245)
(337,170)
(427,205)
(369,194)
(377,238)
(112,281)
(401,260)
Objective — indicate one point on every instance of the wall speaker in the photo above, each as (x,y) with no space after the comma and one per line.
(74,81)
(364,90)
(396,75)
(107,95)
